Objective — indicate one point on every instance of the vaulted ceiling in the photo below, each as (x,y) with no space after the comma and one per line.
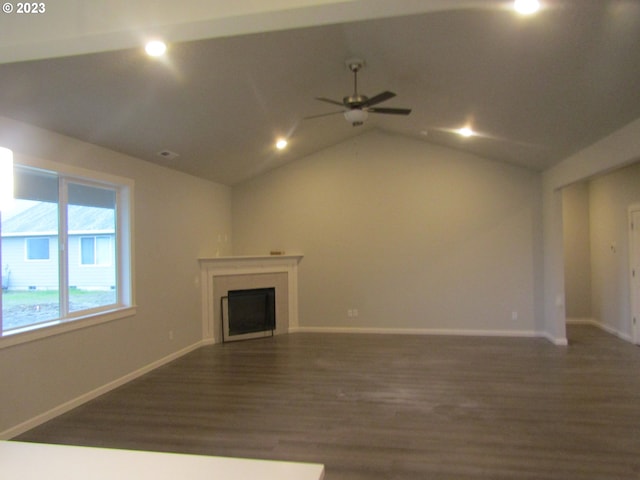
(536,89)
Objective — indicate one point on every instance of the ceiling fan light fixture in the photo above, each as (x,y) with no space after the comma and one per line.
(356,116)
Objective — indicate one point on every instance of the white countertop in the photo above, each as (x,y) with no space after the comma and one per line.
(30,461)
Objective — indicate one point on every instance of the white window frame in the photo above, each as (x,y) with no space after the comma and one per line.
(124,256)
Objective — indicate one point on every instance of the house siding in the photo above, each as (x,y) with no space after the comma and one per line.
(88,277)
(23,273)
(43,274)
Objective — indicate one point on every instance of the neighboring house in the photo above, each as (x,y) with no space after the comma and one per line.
(30,251)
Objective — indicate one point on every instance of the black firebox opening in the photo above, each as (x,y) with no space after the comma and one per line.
(251,311)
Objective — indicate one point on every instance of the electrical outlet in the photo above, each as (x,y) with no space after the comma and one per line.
(170,334)
(514,315)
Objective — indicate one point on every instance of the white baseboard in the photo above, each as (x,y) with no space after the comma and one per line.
(616,332)
(76,402)
(557,341)
(562,342)
(595,323)
(421,331)
(582,321)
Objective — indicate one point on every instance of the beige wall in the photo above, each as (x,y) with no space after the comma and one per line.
(577,251)
(596,248)
(177,219)
(415,237)
(609,197)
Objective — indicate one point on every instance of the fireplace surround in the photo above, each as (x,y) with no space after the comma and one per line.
(219,275)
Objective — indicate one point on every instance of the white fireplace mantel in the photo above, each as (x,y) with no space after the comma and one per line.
(245,265)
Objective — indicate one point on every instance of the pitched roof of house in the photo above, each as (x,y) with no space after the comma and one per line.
(42,218)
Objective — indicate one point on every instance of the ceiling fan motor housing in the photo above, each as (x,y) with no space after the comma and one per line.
(354,101)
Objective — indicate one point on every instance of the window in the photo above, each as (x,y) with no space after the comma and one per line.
(65,252)
(37,248)
(95,251)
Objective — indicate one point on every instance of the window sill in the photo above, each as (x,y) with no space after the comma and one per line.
(57,327)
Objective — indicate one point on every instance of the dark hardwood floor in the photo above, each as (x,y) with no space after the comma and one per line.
(386,406)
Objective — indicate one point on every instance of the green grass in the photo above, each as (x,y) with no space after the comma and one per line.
(27,307)
(17,297)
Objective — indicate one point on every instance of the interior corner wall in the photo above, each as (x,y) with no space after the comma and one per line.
(177,219)
(610,196)
(413,236)
(616,150)
(577,251)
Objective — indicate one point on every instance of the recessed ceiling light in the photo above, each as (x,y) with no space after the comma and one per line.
(155,48)
(526,7)
(465,132)
(281,144)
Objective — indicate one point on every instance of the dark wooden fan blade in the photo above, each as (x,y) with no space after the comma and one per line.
(328,100)
(392,111)
(381,97)
(322,115)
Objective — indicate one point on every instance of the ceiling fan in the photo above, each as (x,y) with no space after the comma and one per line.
(359,106)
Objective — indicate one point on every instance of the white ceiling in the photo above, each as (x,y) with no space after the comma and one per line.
(538,88)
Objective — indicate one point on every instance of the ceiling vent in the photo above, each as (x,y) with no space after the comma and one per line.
(168,154)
